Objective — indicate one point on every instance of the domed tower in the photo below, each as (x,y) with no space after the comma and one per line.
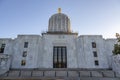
(59,23)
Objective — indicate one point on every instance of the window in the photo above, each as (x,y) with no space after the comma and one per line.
(95,54)
(24,53)
(0,60)
(23,63)
(2,48)
(25,44)
(96,62)
(93,45)
(59,57)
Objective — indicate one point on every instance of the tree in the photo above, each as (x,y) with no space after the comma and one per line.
(117,45)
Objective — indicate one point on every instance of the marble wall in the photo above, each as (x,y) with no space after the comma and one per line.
(40,50)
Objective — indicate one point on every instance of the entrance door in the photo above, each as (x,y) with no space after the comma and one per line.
(59,57)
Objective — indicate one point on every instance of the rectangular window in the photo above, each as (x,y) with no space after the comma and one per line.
(95,54)
(2,48)
(23,63)
(93,45)
(59,57)
(24,53)
(25,44)
(0,60)
(96,63)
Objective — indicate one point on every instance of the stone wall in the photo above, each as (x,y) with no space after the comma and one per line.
(51,40)
(109,46)
(85,57)
(32,51)
(116,63)
(79,50)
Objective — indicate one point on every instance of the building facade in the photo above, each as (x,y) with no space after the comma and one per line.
(59,47)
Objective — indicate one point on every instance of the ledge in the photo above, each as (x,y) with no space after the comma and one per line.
(56,33)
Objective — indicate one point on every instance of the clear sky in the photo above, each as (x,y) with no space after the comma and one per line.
(88,17)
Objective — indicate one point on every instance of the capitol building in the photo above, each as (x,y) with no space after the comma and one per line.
(59,47)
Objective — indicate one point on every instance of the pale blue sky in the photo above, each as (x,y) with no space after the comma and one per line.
(88,17)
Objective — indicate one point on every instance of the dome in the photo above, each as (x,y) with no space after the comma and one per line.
(59,23)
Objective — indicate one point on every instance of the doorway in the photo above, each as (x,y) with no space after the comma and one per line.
(59,57)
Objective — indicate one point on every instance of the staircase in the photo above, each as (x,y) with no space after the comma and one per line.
(60,74)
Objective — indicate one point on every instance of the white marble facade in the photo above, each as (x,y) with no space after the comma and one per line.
(39,50)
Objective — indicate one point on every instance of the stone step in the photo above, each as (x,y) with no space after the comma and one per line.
(62,74)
